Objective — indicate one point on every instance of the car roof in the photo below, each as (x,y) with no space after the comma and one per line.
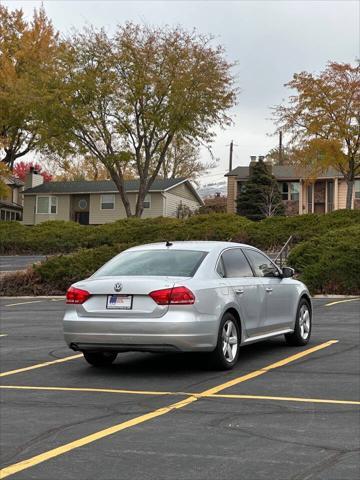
(204,246)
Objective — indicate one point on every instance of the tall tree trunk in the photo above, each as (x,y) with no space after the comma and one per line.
(349,193)
(120,185)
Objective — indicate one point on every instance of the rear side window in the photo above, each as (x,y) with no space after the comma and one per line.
(159,263)
(236,264)
(262,265)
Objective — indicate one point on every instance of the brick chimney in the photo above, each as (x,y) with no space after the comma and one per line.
(33,178)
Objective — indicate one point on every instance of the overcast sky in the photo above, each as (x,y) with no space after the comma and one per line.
(270,40)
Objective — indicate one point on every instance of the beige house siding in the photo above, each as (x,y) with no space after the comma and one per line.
(30,217)
(29,210)
(172,203)
(98,216)
(231,194)
(183,191)
(17,196)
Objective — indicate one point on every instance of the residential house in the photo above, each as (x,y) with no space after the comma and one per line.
(299,194)
(11,204)
(99,202)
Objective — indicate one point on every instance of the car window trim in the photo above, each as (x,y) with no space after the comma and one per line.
(253,267)
(220,258)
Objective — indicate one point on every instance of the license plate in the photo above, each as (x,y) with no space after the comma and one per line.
(120,302)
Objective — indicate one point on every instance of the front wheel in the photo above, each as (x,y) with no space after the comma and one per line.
(302,332)
(100,359)
(226,353)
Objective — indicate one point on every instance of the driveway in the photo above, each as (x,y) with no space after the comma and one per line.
(12,263)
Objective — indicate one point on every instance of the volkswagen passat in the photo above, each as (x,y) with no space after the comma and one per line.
(185,296)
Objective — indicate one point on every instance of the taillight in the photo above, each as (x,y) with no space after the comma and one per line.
(76,295)
(173,296)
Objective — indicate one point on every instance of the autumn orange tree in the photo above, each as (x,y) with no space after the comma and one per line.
(27,66)
(323,120)
(124,99)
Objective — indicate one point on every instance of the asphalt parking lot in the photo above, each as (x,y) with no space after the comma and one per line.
(283,413)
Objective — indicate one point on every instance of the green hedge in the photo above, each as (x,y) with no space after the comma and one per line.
(63,237)
(274,231)
(60,272)
(330,263)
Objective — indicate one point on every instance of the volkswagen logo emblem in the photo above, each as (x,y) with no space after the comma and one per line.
(118,287)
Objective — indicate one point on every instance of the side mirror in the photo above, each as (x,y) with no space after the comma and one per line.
(288,272)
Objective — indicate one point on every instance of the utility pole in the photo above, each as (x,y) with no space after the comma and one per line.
(280,148)
(231,155)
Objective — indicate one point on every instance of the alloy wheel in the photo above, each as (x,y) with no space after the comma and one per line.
(304,322)
(230,343)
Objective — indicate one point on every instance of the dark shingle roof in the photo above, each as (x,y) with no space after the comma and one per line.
(6,204)
(102,186)
(285,172)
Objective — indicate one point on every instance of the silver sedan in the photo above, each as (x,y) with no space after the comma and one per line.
(185,296)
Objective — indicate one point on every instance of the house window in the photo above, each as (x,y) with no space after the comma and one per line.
(294,191)
(330,195)
(107,202)
(46,205)
(285,191)
(147,201)
(357,188)
(290,191)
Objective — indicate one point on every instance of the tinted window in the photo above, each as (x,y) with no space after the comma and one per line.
(236,264)
(176,263)
(263,266)
(220,268)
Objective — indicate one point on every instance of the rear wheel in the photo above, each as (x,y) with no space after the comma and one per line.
(226,353)
(302,331)
(100,359)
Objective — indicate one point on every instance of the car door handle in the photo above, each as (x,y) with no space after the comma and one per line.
(239,291)
(268,289)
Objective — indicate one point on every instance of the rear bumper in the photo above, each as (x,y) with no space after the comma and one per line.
(175,331)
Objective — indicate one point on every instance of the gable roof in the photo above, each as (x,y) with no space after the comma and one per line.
(107,186)
(283,172)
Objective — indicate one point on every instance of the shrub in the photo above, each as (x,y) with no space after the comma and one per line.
(63,237)
(330,263)
(60,272)
(274,231)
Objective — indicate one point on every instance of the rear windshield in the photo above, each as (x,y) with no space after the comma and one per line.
(169,263)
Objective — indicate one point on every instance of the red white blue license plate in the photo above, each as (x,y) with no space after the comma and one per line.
(120,302)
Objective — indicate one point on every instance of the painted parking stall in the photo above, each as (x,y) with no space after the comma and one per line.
(134,405)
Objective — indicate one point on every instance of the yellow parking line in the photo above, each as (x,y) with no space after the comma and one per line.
(341,301)
(288,399)
(281,363)
(40,365)
(30,462)
(92,390)
(3,335)
(198,395)
(24,303)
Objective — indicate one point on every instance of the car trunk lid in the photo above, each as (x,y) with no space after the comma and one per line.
(139,288)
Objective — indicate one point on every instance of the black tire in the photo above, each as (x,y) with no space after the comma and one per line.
(302,332)
(221,359)
(100,359)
